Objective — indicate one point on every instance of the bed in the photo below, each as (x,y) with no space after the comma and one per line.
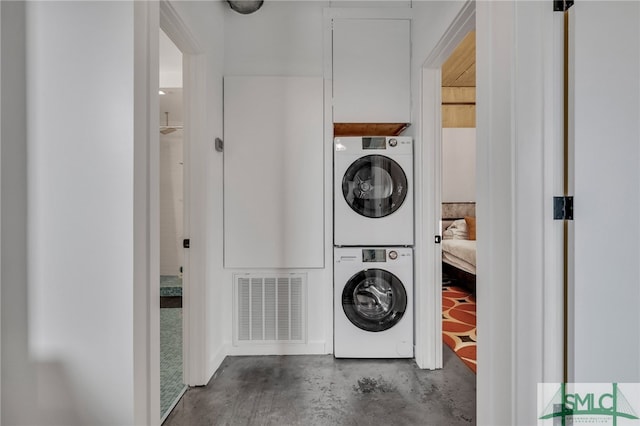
(458,242)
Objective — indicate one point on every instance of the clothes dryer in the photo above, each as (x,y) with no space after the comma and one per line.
(373,302)
(373,191)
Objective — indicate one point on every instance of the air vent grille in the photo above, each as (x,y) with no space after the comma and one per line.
(270,308)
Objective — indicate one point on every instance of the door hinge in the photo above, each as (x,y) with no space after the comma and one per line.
(185,243)
(562,5)
(438,239)
(563,208)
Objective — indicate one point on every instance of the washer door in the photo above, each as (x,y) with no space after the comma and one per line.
(374,300)
(374,186)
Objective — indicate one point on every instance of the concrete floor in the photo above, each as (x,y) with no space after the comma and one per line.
(322,390)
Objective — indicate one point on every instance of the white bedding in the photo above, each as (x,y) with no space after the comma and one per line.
(460,253)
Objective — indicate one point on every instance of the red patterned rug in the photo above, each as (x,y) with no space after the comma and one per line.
(459,323)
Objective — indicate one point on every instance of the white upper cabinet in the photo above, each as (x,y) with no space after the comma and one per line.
(371,70)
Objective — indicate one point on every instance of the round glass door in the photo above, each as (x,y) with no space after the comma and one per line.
(374,300)
(374,186)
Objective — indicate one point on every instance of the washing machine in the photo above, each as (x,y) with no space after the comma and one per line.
(373,191)
(373,302)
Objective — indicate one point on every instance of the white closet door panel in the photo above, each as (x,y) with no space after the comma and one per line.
(371,71)
(273,171)
(604,320)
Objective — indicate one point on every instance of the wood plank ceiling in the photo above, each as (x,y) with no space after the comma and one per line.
(459,85)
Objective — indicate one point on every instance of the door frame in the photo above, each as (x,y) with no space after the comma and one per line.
(519,148)
(149,17)
(428,269)
(194,272)
(519,245)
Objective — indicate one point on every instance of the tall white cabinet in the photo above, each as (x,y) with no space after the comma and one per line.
(371,70)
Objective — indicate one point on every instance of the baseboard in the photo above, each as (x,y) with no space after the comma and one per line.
(310,348)
(215,361)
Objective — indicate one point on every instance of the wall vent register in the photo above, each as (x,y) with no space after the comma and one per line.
(270,308)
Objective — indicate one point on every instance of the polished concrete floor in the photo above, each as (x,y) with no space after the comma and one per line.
(322,390)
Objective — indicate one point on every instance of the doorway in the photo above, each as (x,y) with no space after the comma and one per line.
(172,213)
(458,194)
(428,268)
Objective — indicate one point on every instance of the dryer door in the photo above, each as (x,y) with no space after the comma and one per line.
(374,300)
(374,186)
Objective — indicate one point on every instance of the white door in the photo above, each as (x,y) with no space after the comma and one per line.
(604,117)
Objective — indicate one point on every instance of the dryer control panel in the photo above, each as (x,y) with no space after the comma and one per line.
(374,255)
(366,144)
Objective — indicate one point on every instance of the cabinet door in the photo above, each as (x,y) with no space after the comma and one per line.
(371,71)
(273,172)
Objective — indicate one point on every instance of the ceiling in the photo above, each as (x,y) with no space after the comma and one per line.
(170,62)
(459,85)
(170,66)
(171,102)
(460,69)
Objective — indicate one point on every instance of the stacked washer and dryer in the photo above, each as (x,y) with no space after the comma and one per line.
(373,254)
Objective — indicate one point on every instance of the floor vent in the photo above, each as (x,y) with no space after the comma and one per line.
(270,308)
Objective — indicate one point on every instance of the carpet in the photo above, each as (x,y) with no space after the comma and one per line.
(459,322)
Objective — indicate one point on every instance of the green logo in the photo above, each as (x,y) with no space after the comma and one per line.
(586,403)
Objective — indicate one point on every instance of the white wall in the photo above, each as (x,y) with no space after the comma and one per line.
(68,332)
(458,164)
(281,38)
(284,38)
(80,196)
(170,62)
(17,379)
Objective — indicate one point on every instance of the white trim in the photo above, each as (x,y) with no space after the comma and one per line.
(494,209)
(0,218)
(571,187)
(194,277)
(327,39)
(428,279)
(146,260)
(178,31)
(517,241)
(464,22)
(216,359)
(428,268)
(553,185)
